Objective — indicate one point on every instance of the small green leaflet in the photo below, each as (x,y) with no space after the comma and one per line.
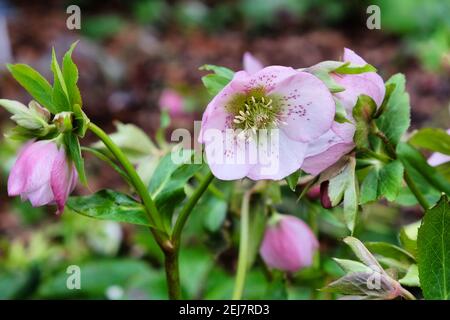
(433,248)
(216,81)
(74,151)
(395,118)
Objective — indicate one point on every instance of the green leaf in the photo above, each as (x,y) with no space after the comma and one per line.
(36,85)
(395,119)
(292,180)
(60,95)
(216,81)
(70,75)
(414,162)
(432,139)
(168,182)
(109,205)
(74,151)
(344,186)
(433,248)
(385,181)
(257,226)
(363,113)
(387,95)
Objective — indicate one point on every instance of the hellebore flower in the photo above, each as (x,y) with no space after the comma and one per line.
(251,64)
(43,174)
(260,124)
(438,158)
(331,146)
(288,244)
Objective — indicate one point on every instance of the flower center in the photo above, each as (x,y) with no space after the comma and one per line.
(255,110)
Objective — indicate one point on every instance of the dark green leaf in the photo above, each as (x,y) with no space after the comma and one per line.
(432,139)
(395,119)
(36,85)
(433,245)
(109,205)
(220,71)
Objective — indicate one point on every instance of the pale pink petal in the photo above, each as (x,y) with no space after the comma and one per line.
(316,164)
(41,196)
(40,157)
(309,107)
(18,175)
(251,64)
(61,179)
(279,159)
(227,154)
(356,85)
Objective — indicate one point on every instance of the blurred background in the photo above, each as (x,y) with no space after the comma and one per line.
(137,57)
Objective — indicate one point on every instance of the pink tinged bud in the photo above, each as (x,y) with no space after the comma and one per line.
(171,101)
(324,198)
(288,244)
(42,174)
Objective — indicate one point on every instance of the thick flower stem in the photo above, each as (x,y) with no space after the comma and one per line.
(413,187)
(173,274)
(243,247)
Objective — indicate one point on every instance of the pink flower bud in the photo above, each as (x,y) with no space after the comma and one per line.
(42,174)
(171,101)
(288,244)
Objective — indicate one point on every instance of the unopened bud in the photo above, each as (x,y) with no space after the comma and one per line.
(63,121)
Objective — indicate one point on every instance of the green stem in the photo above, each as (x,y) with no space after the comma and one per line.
(187,209)
(417,193)
(152,211)
(243,248)
(173,274)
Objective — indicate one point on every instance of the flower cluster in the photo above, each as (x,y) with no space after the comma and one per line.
(269,122)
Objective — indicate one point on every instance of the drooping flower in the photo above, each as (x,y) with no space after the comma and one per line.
(330,147)
(438,158)
(43,175)
(288,244)
(272,114)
